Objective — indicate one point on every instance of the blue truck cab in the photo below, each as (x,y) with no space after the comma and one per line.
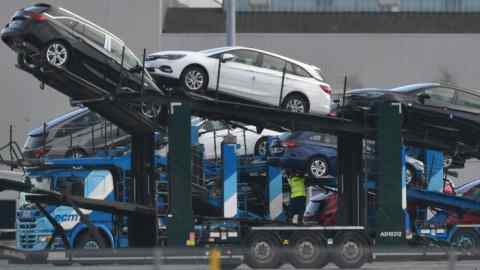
(106,181)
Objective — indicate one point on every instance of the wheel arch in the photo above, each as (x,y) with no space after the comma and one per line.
(296,92)
(102,229)
(196,65)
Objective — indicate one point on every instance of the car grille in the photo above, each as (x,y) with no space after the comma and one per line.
(26,235)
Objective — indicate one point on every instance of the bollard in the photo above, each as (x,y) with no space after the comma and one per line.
(214,259)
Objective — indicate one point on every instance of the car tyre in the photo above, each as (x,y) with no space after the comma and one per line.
(261,147)
(26,61)
(350,251)
(296,103)
(263,251)
(76,152)
(317,167)
(57,54)
(88,241)
(467,241)
(307,251)
(194,79)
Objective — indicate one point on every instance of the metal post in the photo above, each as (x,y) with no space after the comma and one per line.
(231,22)
(10,146)
(44,137)
(93,139)
(283,85)
(220,59)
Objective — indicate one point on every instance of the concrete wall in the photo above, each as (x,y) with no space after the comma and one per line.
(21,101)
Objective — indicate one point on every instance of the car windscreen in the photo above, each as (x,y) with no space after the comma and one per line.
(33,142)
(70,185)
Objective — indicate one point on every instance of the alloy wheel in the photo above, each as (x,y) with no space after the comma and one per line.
(295,105)
(318,168)
(194,80)
(57,54)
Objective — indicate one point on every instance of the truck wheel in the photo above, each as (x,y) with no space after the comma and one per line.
(351,251)
(263,251)
(467,241)
(307,251)
(87,241)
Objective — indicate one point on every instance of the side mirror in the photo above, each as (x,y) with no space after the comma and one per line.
(227,57)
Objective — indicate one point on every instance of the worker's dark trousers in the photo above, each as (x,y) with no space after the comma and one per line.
(297,207)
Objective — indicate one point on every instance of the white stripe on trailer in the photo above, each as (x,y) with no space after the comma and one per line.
(306,228)
(468,225)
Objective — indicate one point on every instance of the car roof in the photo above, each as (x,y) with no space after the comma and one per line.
(58,120)
(90,23)
(414,87)
(230,48)
(467,186)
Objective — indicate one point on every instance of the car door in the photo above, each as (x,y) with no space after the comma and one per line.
(236,76)
(267,79)
(466,111)
(433,107)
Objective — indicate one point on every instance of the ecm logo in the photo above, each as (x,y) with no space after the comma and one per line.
(391,234)
(67,217)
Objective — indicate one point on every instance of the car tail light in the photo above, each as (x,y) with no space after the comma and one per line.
(40,152)
(332,114)
(289,144)
(326,88)
(37,17)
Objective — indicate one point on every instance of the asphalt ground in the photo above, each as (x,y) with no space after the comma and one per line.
(400,265)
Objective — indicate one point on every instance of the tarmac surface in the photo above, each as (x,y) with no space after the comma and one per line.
(401,265)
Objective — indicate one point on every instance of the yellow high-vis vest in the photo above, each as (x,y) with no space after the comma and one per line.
(297,187)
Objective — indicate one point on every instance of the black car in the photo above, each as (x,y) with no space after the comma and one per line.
(444,109)
(43,35)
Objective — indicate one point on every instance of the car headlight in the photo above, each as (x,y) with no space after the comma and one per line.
(164,56)
(45,238)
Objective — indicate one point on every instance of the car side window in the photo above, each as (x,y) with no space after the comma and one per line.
(75,25)
(299,71)
(273,63)
(246,57)
(95,36)
(439,95)
(324,138)
(468,100)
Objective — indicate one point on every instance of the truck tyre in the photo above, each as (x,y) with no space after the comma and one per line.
(88,241)
(350,251)
(307,251)
(467,241)
(263,251)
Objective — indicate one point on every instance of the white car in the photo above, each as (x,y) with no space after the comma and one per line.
(211,134)
(246,73)
(250,142)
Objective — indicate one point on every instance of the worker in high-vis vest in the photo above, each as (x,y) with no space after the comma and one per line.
(298,198)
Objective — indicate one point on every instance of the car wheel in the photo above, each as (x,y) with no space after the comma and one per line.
(307,251)
(261,147)
(88,241)
(317,167)
(194,79)
(263,251)
(57,54)
(76,152)
(151,110)
(351,251)
(296,103)
(26,61)
(467,241)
